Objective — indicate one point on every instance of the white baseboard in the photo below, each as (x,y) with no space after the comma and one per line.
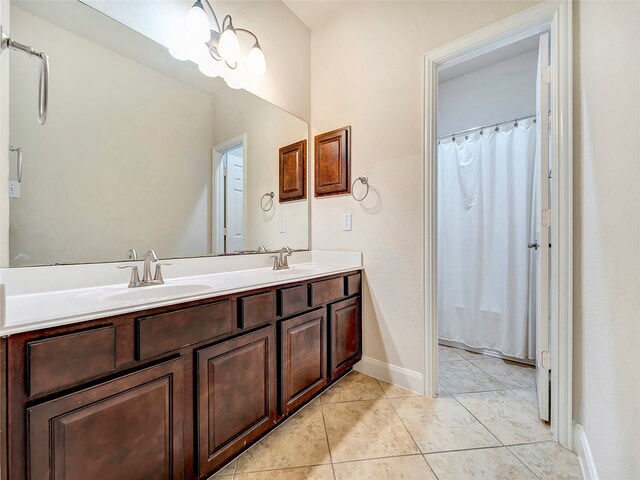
(402,377)
(581,445)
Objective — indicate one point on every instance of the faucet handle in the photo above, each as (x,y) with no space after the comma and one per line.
(157,276)
(134,281)
(276,261)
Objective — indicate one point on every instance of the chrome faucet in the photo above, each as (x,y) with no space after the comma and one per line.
(135,281)
(131,254)
(280,260)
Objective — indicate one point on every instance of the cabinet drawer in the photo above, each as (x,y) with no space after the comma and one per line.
(326,291)
(256,309)
(292,300)
(166,332)
(69,359)
(352,284)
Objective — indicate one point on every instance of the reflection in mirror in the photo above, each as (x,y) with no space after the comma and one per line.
(139,151)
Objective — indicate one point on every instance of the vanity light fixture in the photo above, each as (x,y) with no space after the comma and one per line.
(216,50)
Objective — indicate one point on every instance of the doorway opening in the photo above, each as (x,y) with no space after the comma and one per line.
(490,310)
(497,297)
(229,174)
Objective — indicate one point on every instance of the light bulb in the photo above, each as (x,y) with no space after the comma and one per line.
(228,45)
(198,23)
(255,61)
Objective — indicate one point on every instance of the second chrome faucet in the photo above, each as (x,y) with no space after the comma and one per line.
(280,260)
(157,279)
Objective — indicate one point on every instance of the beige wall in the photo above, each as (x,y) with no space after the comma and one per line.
(367,72)
(607,233)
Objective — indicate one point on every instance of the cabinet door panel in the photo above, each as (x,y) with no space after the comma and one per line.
(130,427)
(236,395)
(345,334)
(303,359)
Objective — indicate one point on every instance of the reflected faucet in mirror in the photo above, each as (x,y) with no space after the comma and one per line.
(280,261)
(135,281)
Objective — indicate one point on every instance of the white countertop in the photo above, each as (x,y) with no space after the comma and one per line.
(44,309)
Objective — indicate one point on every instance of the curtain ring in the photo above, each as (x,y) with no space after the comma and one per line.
(365,181)
(262,206)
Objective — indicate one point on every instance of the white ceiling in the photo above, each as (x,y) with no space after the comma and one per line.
(490,58)
(314,13)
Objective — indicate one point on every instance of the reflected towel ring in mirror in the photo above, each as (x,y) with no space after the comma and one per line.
(365,181)
(269,202)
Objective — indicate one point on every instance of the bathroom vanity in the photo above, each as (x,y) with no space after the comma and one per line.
(176,391)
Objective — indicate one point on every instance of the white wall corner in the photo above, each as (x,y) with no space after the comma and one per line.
(402,377)
(581,445)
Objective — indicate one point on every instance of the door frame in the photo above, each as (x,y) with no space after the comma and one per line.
(217,191)
(556,17)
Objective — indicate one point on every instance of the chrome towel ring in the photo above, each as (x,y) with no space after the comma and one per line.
(365,181)
(269,202)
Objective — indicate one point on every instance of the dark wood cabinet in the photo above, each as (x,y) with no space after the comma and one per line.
(236,395)
(293,172)
(130,427)
(345,335)
(173,392)
(303,358)
(333,163)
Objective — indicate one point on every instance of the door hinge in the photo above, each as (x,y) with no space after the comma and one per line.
(225,231)
(546,360)
(546,217)
(546,75)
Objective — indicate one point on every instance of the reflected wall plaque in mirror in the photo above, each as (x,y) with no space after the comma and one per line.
(140,150)
(293,169)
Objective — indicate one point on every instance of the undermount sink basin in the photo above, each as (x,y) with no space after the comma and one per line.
(299,270)
(154,292)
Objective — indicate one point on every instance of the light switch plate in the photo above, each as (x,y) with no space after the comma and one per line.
(346,222)
(283,226)
(14,189)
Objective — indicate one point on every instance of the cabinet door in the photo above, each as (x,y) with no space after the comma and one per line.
(130,427)
(236,395)
(303,359)
(345,335)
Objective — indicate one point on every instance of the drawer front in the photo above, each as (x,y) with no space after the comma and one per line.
(292,300)
(256,309)
(326,291)
(65,360)
(352,284)
(166,332)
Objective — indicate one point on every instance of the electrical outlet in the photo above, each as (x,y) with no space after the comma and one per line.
(346,222)
(14,189)
(283,226)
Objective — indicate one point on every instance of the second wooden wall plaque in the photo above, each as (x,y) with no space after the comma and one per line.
(333,163)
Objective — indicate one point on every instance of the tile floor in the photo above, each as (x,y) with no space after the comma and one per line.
(484,425)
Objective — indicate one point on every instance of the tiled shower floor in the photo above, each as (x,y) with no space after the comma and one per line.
(484,425)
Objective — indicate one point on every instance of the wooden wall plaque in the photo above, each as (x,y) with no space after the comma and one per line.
(333,162)
(293,172)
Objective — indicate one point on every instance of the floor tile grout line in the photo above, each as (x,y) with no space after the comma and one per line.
(523,463)
(326,436)
(478,420)
(405,426)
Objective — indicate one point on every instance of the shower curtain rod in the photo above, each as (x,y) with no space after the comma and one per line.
(497,125)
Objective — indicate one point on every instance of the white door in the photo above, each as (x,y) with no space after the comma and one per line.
(543,358)
(234,201)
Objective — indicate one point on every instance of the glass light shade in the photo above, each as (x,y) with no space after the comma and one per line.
(198,53)
(210,68)
(256,63)
(228,45)
(198,24)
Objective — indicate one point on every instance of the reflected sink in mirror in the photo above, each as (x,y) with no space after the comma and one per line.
(156,292)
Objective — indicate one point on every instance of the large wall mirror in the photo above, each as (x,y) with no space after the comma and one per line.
(139,150)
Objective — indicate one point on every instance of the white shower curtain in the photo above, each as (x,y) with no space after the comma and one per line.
(486,213)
